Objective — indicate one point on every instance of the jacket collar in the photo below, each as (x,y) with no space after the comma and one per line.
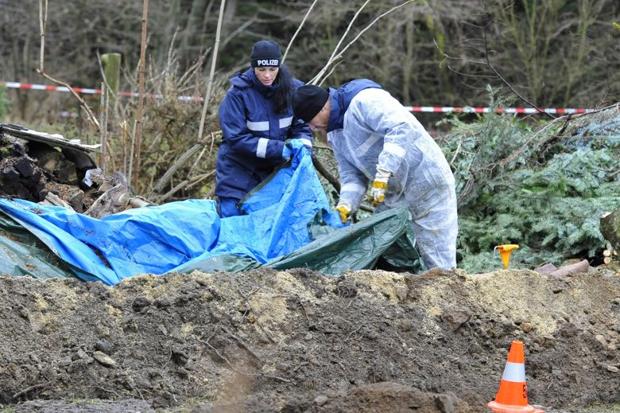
(264,90)
(336,111)
(249,79)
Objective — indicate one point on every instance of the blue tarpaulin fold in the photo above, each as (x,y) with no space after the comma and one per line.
(171,237)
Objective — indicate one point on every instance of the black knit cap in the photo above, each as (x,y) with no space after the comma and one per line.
(308,100)
(265,53)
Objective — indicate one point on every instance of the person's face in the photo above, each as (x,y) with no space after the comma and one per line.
(266,75)
(320,121)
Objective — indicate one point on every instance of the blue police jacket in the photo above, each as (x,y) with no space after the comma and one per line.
(253,135)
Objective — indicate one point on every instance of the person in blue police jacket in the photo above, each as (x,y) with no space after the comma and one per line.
(378,142)
(256,119)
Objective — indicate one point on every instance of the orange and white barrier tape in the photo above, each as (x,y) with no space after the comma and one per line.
(478,109)
(83,90)
(49,88)
(420,109)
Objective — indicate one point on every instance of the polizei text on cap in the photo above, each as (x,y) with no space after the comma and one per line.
(268,62)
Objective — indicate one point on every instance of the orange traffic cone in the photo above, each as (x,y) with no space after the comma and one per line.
(512,394)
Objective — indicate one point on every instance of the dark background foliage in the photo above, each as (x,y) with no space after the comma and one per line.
(555,52)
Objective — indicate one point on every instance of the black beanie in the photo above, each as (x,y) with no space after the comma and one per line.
(265,53)
(308,100)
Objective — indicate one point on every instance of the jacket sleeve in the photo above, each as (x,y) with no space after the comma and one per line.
(234,128)
(301,130)
(377,110)
(353,183)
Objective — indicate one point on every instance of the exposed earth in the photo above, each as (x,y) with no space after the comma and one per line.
(298,341)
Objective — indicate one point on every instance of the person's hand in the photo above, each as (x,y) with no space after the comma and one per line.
(292,146)
(379,186)
(344,210)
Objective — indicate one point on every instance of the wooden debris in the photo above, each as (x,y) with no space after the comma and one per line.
(565,270)
(581,266)
(610,228)
(53,199)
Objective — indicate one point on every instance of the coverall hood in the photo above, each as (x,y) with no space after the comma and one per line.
(340,99)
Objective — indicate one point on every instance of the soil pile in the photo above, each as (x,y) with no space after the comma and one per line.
(297,341)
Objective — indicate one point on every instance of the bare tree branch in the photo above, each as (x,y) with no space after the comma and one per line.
(325,172)
(205,105)
(238,30)
(298,30)
(188,183)
(499,75)
(41,70)
(319,75)
(187,155)
(319,78)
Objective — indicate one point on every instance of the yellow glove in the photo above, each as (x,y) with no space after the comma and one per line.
(344,211)
(379,186)
(377,192)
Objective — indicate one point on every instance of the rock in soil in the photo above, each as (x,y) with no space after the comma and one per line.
(291,341)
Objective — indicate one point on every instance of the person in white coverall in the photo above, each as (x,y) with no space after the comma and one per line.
(377,141)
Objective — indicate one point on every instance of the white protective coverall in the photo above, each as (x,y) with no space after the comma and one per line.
(378,132)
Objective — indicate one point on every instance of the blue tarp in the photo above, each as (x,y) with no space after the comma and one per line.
(174,236)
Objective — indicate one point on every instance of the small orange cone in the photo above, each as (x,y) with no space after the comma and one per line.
(505,250)
(512,394)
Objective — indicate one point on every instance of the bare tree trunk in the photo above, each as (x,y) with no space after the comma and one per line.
(135,166)
(212,72)
(407,66)
(192,25)
(230,13)
(205,17)
(104,126)
(43,24)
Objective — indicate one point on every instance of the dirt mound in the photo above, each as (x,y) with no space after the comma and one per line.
(297,341)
